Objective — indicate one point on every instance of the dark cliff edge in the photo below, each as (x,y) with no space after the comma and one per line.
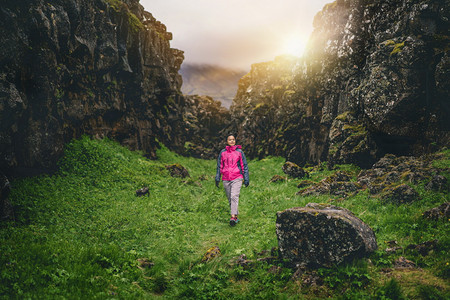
(71,67)
(374,80)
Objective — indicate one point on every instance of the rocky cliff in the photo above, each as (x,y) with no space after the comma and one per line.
(203,120)
(374,80)
(71,67)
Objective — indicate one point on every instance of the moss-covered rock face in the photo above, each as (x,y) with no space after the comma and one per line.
(203,120)
(372,81)
(322,235)
(267,113)
(437,183)
(103,68)
(351,142)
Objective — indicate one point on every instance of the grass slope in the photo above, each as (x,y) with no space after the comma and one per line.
(82,233)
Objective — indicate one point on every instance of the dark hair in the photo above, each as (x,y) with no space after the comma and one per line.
(230,134)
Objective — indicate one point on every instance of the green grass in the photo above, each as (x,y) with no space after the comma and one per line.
(79,234)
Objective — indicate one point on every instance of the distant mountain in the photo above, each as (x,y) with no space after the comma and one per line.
(218,82)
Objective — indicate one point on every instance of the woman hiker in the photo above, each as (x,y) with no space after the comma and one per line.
(232,165)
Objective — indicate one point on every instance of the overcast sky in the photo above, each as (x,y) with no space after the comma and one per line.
(236,33)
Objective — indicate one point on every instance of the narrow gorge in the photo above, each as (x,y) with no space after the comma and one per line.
(374,80)
(107,166)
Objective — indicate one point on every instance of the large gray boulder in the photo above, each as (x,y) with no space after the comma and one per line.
(320,235)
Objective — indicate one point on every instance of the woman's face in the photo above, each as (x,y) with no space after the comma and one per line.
(231,141)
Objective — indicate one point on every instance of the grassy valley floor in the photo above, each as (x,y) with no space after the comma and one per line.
(84,234)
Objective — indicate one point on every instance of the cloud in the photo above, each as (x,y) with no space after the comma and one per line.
(234,33)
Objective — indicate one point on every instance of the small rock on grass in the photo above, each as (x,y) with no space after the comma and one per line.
(143,191)
(438,213)
(305,183)
(424,248)
(277,179)
(401,194)
(403,263)
(177,170)
(145,263)
(293,170)
(212,252)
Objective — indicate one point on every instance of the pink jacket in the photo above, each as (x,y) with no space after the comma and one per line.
(231,164)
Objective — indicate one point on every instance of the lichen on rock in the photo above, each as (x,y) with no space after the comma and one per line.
(212,253)
(351,142)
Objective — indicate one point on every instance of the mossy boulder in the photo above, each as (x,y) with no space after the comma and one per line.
(437,183)
(320,235)
(338,184)
(391,171)
(400,194)
(344,188)
(293,170)
(277,179)
(441,212)
(177,170)
(212,253)
(305,183)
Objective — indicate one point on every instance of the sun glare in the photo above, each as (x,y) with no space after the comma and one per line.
(294,46)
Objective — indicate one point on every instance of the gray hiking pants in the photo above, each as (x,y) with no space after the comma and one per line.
(232,189)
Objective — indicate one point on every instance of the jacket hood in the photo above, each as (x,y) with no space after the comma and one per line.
(232,148)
